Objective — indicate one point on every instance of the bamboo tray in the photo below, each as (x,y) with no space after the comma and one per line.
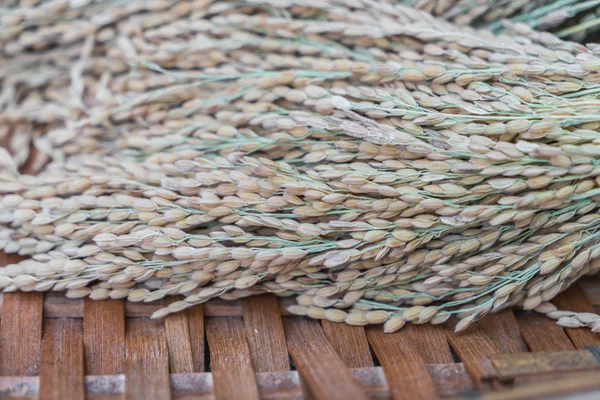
(55,348)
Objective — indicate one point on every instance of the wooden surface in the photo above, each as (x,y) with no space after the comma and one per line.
(253,349)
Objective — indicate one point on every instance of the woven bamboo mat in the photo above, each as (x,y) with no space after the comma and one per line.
(55,348)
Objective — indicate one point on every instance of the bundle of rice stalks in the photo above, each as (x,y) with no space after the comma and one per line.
(378,164)
(573,19)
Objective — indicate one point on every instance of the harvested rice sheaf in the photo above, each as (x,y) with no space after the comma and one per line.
(380,165)
(574,19)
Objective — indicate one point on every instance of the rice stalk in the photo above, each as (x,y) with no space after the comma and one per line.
(380,165)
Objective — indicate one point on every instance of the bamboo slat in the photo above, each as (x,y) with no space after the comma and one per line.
(431,342)
(230,359)
(104,337)
(542,334)
(179,343)
(344,337)
(264,331)
(21,324)
(473,347)
(404,366)
(574,299)
(318,363)
(196,327)
(146,361)
(61,366)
